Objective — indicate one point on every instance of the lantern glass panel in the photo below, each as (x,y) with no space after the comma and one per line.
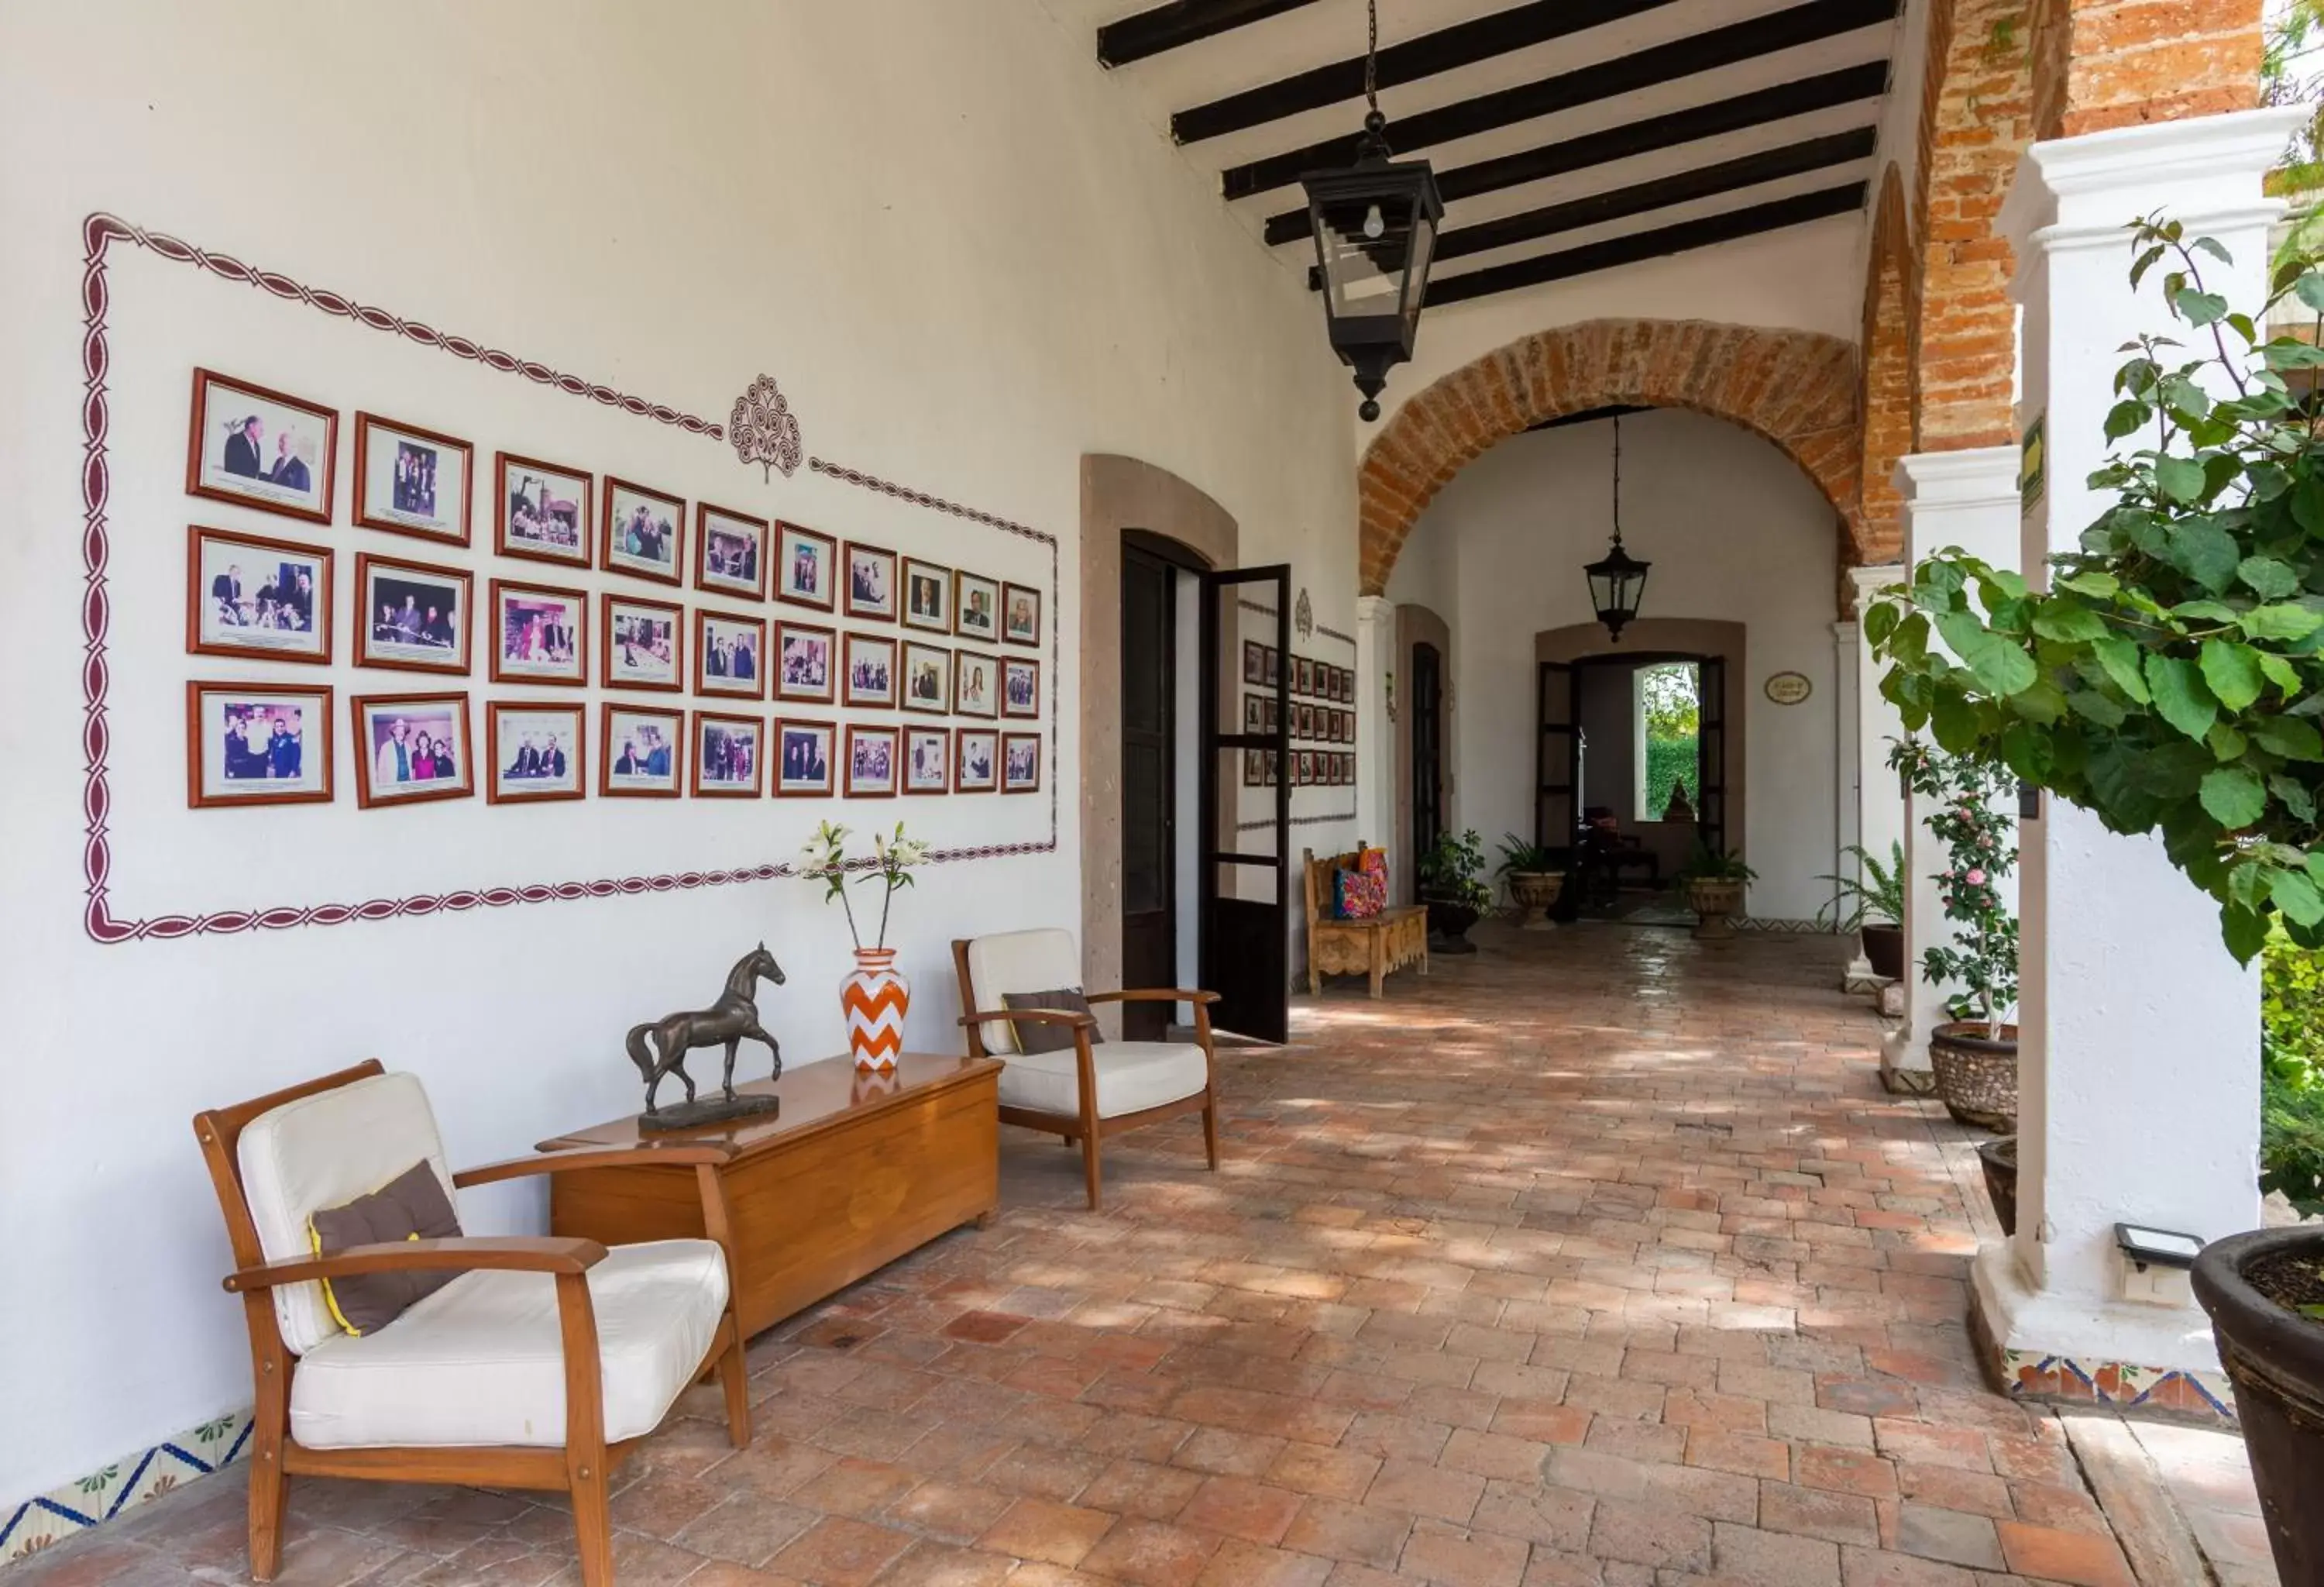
(1364,275)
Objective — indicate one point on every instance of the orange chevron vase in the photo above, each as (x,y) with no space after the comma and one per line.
(875,999)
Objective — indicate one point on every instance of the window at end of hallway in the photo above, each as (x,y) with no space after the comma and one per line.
(1667,699)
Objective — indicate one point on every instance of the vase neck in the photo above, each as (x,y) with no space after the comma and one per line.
(875,958)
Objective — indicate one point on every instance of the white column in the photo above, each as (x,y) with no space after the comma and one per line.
(1375,735)
(1872,807)
(1966,500)
(2138,1073)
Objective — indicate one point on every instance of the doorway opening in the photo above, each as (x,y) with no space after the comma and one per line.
(1159,770)
(1427,747)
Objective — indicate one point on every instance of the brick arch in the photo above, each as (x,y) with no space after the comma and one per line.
(1887,398)
(1796,389)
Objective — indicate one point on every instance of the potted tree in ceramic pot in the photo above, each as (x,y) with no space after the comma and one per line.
(1714,879)
(2171,679)
(1453,886)
(1871,904)
(1535,875)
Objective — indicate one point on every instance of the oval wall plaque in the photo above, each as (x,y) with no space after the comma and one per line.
(1789,689)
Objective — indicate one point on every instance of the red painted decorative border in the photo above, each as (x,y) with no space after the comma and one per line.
(99,233)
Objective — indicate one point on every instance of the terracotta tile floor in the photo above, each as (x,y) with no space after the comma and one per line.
(1598,1257)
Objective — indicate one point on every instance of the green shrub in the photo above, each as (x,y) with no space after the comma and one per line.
(1669,763)
(2291,997)
(2292,1128)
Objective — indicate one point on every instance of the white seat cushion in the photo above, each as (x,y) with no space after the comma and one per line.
(1019,962)
(323,1151)
(479,1362)
(1131,1076)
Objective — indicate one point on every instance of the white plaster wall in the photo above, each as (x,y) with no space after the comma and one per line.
(1735,531)
(966,262)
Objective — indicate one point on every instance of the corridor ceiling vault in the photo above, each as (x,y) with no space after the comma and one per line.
(1568,135)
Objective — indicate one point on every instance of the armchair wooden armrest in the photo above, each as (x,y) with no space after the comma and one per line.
(517,1253)
(1035,1016)
(1155,995)
(675,1154)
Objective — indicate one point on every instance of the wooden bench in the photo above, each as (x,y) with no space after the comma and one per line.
(1389,941)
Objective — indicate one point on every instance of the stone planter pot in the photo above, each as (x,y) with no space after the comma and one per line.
(1535,892)
(875,996)
(1884,950)
(1998,1158)
(1450,920)
(2274,1358)
(1976,1078)
(1716,901)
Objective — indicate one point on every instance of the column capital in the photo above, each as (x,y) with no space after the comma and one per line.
(2070,192)
(1973,476)
(1871,578)
(1375,609)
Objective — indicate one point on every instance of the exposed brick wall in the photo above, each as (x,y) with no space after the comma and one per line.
(1795,388)
(1887,396)
(2109,63)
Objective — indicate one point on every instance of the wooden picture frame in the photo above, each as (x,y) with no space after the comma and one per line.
(866,693)
(779,658)
(966,743)
(617,746)
(224,462)
(371,750)
(506,741)
(218,785)
(975,606)
(1011,743)
(791,540)
(621,668)
(566,671)
(538,530)
(214,586)
(621,502)
(1017,626)
(1273,675)
(917,658)
(979,668)
(866,787)
(700,750)
(385,638)
(723,675)
(1018,702)
(825,735)
(865,572)
(926,591)
(916,739)
(714,525)
(1254,661)
(418,496)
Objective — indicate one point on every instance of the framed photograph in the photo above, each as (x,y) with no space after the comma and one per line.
(870,761)
(1021,763)
(730,552)
(1254,768)
(1274,672)
(639,751)
(542,510)
(927,595)
(807,567)
(1303,676)
(975,759)
(1020,615)
(975,684)
(250,596)
(975,607)
(414,615)
(412,481)
(1347,769)
(1345,683)
(537,750)
(1271,715)
(870,582)
(730,655)
(1254,714)
(1254,661)
(804,664)
(642,644)
(643,533)
(927,760)
(871,663)
(1020,687)
(261,449)
(1273,767)
(927,679)
(803,759)
(1303,720)
(257,744)
(1307,768)
(726,764)
(410,749)
(540,634)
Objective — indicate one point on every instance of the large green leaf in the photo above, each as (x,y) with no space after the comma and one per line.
(1999,666)
(2274,579)
(2179,479)
(2289,737)
(2234,796)
(2181,695)
(2296,896)
(2244,931)
(2233,672)
(2283,620)
(2208,553)
(2068,623)
(2120,658)
(2097,585)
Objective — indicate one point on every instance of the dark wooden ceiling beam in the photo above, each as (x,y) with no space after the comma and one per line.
(1605,80)
(1823,91)
(1181,22)
(1728,176)
(1446,49)
(1750,221)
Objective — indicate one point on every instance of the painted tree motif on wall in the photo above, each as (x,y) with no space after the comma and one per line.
(764,429)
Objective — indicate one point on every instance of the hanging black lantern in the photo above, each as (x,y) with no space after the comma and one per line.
(1375,227)
(1617,580)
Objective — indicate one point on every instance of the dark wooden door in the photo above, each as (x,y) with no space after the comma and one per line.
(1245,860)
(1557,757)
(1149,914)
(1710,752)
(1427,748)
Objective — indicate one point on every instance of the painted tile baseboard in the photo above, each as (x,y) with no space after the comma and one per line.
(121,1486)
(2206,1396)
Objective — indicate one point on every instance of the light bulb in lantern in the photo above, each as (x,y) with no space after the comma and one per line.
(1374,226)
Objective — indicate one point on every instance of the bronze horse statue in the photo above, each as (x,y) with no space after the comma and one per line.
(730,1019)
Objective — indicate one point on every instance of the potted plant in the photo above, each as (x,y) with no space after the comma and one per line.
(1535,876)
(1871,904)
(874,997)
(1975,1053)
(2171,680)
(1453,886)
(1714,879)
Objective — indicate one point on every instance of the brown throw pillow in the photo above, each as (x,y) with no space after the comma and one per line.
(1038,1036)
(411,1206)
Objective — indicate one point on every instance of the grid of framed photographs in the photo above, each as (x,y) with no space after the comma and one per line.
(1323,711)
(265,599)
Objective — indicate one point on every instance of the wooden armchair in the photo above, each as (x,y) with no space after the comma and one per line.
(503,1378)
(1092,1091)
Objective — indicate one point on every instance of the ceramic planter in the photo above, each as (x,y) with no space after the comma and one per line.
(1977,1076)
(1450,920)
(2274,1359)
(1535,892)
(875,998)
(1716,900)
(1884,950)
(1998,1158)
